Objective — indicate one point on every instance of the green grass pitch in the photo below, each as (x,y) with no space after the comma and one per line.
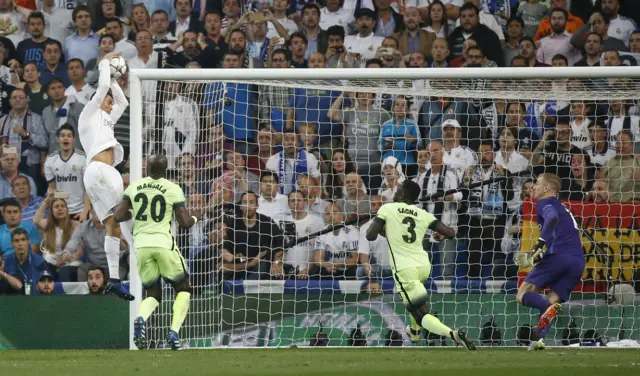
(347,362)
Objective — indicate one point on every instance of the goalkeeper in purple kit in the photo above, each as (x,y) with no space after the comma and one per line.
(560,267)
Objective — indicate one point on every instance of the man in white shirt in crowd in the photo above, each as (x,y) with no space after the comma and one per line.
(79,89)
(559,42)
(601,150)
(365,43)
(455,155)
(181,117)
(336,13)
(298,257)
(441,177)
(124,47)
(619,27)
(336,253)
(146,58)
(373,256)
(280,14)
(292,162)
(64,171)
(271,202)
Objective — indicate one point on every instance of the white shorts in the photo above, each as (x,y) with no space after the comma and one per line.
(103,184)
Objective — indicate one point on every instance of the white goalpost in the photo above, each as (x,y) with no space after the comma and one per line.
(180,111)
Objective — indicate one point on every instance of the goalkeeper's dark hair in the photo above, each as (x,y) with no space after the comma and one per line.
(268,173)
(411,191)
(66,127)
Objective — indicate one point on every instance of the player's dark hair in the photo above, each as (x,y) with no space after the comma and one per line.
(78,9)
(157,166)
(336,30)
(35,15)
(75,60)
(267,173)
(411,191)
(54,80)
(19,231)
(66,127)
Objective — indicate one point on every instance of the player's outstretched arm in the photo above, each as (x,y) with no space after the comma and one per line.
(120,101)
(443,229)
(122,212)
(104,80)
(376,228)
(182,215)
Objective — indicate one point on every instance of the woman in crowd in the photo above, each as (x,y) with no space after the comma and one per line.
(437,21)
(140,20)
(106,9)
(334,182)
(582,178)
(57,229)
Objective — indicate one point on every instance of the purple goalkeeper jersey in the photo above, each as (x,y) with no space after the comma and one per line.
(564,237)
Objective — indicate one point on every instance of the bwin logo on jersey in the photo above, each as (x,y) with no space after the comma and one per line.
(68,178)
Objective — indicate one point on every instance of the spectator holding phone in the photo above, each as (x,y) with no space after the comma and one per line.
(337,55)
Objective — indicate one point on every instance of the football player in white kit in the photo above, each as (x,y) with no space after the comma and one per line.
(103,183)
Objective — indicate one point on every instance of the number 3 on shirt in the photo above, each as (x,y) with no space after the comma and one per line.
(411,230)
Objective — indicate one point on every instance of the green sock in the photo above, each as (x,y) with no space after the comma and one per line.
(180,309)
(147,307)
(433,325)
(414,324)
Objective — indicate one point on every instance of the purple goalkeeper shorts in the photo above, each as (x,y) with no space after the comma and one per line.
(560,272)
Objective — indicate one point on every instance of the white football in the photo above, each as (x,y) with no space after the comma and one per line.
(118,67)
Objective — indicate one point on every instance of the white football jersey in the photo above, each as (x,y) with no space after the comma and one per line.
(300,255)
(580,134)
(339,247)
(68,176)
(95,126)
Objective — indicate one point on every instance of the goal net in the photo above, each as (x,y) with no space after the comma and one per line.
(285,168)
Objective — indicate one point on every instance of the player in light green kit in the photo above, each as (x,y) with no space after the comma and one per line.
(405,226)
(152,202)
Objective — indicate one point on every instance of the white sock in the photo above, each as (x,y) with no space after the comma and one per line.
(126,228)
(112,250)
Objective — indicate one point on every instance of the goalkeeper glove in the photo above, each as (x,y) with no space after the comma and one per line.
(533,257)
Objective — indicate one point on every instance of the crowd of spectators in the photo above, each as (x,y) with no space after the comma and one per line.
(264,165)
